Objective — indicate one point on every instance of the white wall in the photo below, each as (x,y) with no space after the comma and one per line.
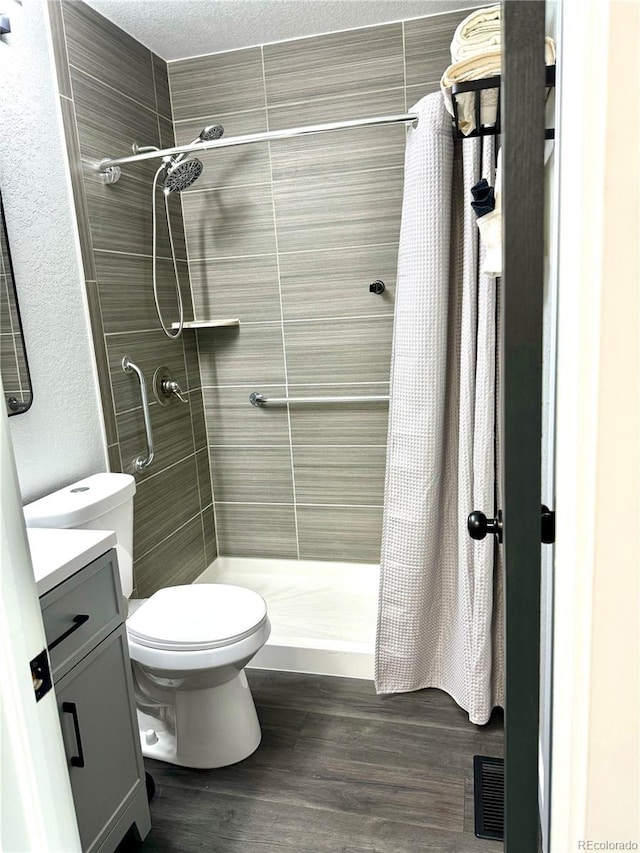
(595,786)
(613,782)
(61,437)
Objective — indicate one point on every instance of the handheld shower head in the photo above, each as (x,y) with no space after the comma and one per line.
(210,132)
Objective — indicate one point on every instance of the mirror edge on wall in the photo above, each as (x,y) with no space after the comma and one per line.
(15,406)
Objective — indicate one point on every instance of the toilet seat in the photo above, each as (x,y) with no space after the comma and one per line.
(197,617)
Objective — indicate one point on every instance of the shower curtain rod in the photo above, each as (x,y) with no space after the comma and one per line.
(108,166)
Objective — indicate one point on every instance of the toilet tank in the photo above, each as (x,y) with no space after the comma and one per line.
(99,502)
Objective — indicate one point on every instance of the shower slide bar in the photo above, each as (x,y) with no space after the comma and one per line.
(257,399)
(269,136)
(141,462)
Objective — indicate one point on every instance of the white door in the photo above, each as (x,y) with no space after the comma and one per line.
(37,812)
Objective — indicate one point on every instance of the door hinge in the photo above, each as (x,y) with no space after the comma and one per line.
(41,675)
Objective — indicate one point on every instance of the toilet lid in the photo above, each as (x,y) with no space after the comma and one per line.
(198,616)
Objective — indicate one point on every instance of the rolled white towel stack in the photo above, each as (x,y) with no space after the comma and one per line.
(480,31)
(476,53)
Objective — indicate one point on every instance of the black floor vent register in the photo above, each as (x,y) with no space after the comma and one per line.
(488,796)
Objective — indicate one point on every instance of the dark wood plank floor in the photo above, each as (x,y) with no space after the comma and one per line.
(339,770)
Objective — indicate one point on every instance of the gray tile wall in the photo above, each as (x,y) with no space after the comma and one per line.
(114,92)
(287,236)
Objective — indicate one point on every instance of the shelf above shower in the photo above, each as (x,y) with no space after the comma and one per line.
(206,324)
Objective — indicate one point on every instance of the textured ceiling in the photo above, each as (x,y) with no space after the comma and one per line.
(175,29)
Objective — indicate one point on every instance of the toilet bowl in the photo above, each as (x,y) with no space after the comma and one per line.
(188,644)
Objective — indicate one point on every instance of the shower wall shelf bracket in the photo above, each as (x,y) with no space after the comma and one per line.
(206,324)
(109,174)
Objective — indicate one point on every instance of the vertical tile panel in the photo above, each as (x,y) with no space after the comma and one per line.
(77,184)
(335,282)
(209,528)
(246,288)
(171,426)
(340,533)
(357,60)
(207,86)
(335,351)
(59,47)
(251,475)
(222,223)
(330,211)
(204,477)
(340,423)
(256,531)
(340,475)
(149,350)
(245,355)
(102,361)
(234,166)
(232,420)
(161,81)
(178,560)
(102,49)
(157,513)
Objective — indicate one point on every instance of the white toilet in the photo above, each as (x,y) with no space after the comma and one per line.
(188,644)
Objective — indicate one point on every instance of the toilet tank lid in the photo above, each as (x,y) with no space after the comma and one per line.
(80,502)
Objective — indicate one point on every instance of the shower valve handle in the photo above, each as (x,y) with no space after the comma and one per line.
(170,386)
(165,387)
(479,525)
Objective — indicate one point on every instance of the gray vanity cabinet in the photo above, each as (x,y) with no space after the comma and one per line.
(84,623)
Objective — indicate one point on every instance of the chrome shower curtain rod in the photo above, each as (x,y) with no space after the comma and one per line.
(109,166)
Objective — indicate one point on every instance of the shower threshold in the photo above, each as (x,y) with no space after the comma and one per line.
(323,614)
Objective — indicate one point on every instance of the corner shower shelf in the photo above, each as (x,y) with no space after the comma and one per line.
(206,324)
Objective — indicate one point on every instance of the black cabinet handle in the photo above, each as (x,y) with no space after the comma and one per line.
(77,622)
(70,708)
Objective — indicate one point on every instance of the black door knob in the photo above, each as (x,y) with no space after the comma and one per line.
(548,526)
(479,525)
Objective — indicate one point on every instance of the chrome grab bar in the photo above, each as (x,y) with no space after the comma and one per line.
(257,399)
(141,462)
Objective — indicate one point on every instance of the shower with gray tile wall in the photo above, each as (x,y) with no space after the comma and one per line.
(284,236)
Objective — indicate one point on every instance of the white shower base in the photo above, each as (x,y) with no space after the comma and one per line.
(323,615)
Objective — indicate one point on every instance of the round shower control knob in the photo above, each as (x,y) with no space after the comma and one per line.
(150,737)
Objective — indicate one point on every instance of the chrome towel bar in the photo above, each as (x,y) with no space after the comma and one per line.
(141,462)
(257,399)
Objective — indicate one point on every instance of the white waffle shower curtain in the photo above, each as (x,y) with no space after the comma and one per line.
(440,606)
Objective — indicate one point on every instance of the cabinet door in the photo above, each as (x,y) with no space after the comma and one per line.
(100,733)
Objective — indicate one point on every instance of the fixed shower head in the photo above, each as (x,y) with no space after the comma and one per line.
(182,174)
(210,132)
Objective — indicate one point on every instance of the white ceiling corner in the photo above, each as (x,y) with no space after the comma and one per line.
(176,29)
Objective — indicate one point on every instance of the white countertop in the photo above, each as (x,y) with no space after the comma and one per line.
(58,554)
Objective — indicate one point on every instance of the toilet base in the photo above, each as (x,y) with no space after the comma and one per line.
(213,727)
